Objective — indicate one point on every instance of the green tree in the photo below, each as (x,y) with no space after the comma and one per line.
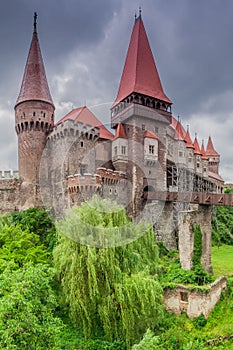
(111,291)
(19,246)
(37,221)
(27,304)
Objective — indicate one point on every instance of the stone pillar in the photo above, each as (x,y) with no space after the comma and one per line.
(206,229)
(186,220)
(186,239)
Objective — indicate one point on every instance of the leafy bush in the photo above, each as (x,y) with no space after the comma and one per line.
(27,305)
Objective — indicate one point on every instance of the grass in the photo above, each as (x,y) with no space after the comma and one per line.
(222,260)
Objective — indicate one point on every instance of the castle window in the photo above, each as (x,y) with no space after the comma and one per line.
(81,143)
(34,114)
(44,115)
(123,149)
(151,149)
(190,160)
(143,127)
(198,165)
(180,154)
(184,296)
(156,130)
(115,150)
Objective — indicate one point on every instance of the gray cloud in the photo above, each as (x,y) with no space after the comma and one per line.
(84,47)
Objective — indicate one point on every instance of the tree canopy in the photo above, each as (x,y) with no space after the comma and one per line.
(111,291)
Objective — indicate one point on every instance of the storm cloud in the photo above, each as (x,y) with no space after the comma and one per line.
(84,45)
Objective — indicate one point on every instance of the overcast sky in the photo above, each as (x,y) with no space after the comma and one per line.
(84,44)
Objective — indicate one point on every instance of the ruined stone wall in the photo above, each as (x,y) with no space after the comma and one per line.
(194,303)
(186,221)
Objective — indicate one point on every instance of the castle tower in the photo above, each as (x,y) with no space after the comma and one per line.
(189,151)
(204,160)
(120,149)
(141,105)
(213,156)
(34,113)
(197,157)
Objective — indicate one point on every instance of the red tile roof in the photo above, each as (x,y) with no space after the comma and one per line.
(120,132)
(150,135)
(85,116)
(140,73)
(210,151)
(179,132)
(188,140)
(203,152)
(196,147)
(34,85)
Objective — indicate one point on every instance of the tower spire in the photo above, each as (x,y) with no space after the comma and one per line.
(140,74)
(34,85)
(35,22)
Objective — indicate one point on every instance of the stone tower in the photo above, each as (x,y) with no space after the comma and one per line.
(141,106)
(34,115)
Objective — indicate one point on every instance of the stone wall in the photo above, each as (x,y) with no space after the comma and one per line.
(9,195)
(194,303)
(186,221)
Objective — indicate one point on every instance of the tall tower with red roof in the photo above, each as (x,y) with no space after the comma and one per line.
(34,113)
(213,156)
(142,106)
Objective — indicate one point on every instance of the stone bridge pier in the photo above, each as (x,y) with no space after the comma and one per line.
(186,221)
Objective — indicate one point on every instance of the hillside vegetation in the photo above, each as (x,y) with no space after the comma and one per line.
(56,293)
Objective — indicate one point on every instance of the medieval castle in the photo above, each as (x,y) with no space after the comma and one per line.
(148,150)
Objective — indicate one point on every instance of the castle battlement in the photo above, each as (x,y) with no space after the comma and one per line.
(69,128)
(9,174)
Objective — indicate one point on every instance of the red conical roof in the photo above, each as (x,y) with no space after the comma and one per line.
(85,116)
(140,73)
(120,132)
(210,151)
(196,147)
(203,152)
(34,85)
(150,135)
(179,132)
(188,140)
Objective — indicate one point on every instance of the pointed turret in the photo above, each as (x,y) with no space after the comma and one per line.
(188,140)
(210,150)
(140,82)
(34,116)
(179,132)
(196,146)
(120,132)
(203,152)
(213,156)
(34,85)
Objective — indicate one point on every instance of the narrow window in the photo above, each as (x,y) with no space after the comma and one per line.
(151,149)
(115,150)
(184,296)
(143,127)
(123,149)
(82,144)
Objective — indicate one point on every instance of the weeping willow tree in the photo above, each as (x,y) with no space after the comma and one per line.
(111,290)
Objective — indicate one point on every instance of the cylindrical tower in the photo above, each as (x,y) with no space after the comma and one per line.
(34,113)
